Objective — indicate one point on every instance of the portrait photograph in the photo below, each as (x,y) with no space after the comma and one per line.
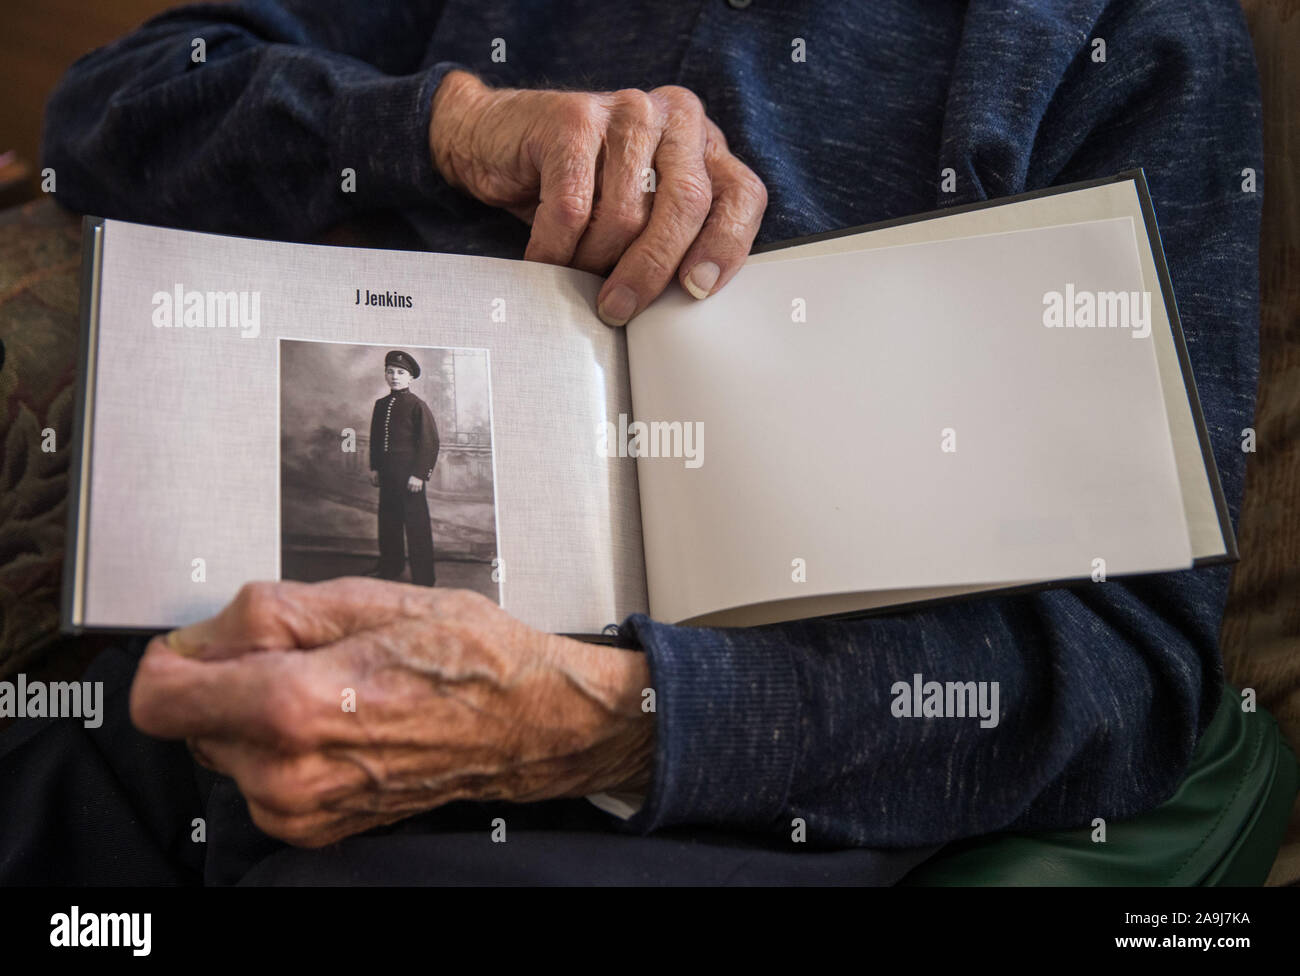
(386,465)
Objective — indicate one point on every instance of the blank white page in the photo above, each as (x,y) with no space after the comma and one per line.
(823,439)
(1117,199)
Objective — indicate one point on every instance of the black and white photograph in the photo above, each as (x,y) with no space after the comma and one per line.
(386,465)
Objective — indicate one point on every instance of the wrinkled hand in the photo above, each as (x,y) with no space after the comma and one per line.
(414,484)
(453,699)
(574,166)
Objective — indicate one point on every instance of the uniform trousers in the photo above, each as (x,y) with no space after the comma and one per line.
(403,523)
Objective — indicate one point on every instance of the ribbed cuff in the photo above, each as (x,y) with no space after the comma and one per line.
(381,130)
(727,724)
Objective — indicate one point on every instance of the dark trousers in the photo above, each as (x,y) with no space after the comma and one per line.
(403,524)
(111,806)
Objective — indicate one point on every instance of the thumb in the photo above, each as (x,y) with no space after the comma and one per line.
(253,621)
(294,616)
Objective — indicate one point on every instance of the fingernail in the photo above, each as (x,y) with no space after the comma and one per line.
(178,641)
(618,306)
(702,279)
(191,640)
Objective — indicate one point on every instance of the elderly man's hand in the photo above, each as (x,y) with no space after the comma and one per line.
(576,166)
(344,705)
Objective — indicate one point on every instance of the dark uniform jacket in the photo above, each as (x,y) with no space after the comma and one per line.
(402,431)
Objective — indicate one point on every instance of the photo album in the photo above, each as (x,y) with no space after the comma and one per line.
(990,397)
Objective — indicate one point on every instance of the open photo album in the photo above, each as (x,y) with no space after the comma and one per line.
(984,398)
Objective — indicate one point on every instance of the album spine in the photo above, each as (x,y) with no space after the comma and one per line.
(73,602)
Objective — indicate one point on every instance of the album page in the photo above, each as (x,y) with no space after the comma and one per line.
(883,425)
(261,410)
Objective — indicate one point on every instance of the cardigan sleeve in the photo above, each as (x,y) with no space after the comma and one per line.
(299,114)
(1103,689)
